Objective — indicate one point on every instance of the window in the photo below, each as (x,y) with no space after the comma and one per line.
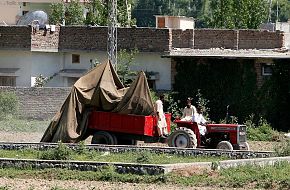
(267,70)
(7,81)
(24,4)
(24,12)
(75,58)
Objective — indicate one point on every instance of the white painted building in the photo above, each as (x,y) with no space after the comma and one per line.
(175,22)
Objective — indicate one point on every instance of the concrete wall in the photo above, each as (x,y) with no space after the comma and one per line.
(154,62)
(40,103)
(17,59)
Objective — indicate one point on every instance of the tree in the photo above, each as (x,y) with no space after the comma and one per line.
(280,11)
(247,14)
(57,13)
(74,13)
(98,12)
(71,13)
(125,61)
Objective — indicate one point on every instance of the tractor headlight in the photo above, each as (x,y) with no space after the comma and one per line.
(242,133)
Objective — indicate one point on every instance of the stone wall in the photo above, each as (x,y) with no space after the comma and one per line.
(95,38)
(255,39)
(210,38)
(182,38)
(15,37)
(39,103)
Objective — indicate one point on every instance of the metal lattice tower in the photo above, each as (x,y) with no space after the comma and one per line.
(112,32)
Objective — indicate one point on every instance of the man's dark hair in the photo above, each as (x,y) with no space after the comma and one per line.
(161,96)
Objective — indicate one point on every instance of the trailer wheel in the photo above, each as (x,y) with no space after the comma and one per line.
(225,145)
(103,137)
(127,141)
(244,146)
(182,138)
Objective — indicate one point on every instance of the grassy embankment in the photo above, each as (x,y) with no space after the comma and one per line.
(270,177)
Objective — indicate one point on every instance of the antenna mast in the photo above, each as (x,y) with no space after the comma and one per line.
(112,33)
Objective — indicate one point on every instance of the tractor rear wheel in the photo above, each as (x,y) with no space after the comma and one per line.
(103,137)
(182,137)
(225,145)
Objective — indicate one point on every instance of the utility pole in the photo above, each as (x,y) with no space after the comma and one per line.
(112,33)
(277,18)
(270,11)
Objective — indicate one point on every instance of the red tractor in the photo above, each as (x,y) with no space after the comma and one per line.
(220,136)
(113,128)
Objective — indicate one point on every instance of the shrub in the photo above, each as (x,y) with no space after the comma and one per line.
(9,104)
(283,149)
(61,152)
(144,157)
(262,131)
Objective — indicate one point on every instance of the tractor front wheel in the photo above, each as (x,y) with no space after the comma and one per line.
(225,145)
(103,137)
(182,138)
(244,146)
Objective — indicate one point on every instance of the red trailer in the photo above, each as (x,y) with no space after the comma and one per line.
(113,128)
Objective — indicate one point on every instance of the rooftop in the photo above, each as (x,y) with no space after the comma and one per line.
(229,53)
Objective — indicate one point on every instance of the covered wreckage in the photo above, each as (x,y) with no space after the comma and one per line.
(100,89)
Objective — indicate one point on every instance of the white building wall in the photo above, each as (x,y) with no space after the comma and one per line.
(17,59)
(186,24)
(154,62)
(32,64)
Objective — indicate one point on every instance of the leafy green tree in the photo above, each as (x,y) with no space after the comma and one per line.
(74,13)
(98,13)
(282,14)
(56,16)
(247,14)
(125,61)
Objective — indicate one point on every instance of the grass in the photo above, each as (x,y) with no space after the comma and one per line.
(269,177)
(12,124)
(128,157)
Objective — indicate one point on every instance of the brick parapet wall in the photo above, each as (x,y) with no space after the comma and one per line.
(83,38)
(45,40)
(212,38)
(257,39)
(39,103)
(182,38)
(95,38)
(15,37)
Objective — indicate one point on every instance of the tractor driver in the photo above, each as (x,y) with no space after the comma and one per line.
(199,119)
(188,111)
(161,121)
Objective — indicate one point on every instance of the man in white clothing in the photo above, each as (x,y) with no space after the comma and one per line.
(188,111)
(199,119)
(161,121)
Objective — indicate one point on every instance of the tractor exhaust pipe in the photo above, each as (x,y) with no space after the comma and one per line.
(227,115)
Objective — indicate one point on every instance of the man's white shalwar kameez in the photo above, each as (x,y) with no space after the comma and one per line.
(161,122)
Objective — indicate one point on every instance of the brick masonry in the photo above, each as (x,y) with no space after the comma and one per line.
(83,38)
(209,38)
(45,40)
(15,37)
(182,38)
(39,103)
(255,39)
